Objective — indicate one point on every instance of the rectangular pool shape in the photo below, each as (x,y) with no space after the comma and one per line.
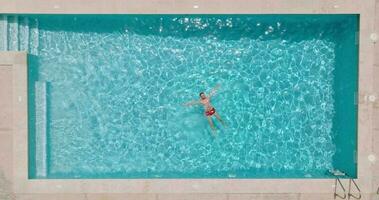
(106,95)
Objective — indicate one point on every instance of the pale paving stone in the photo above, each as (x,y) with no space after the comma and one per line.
(280,196)
(166,6)
(375,147)
(192,197)
(375,178)
(368,197)
(263,197)
(20,58)
(245,197)
(6,57)
(376,79)
(121,197)
(375,184)
(5,98)
(316,196)
(50,197)
(5,188)
(6,155)
(376,115)
(376,45)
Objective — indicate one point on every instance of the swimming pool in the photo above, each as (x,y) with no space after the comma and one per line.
(106,95)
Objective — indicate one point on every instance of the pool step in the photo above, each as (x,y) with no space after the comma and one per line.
(13,33)
(41,128)
(23,34)
(18,33)
(33,37)
(3,33)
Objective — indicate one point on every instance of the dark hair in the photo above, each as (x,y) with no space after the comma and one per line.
(201,93)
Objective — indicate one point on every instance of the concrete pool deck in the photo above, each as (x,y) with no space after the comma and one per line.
(13,114)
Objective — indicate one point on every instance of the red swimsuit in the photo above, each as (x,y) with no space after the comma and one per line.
(210,112)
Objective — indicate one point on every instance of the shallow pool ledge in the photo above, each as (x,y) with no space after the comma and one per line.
(16,64)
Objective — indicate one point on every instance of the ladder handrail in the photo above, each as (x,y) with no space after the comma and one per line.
(335,189)
(356,186)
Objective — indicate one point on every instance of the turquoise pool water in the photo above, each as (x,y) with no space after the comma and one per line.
(106,95)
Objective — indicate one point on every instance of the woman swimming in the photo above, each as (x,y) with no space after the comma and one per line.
(209,109)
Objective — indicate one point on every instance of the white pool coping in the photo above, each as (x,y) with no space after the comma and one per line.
(367,141)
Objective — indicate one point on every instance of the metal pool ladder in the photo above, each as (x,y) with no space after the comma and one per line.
(337,174)
(338,181)
(349,194)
